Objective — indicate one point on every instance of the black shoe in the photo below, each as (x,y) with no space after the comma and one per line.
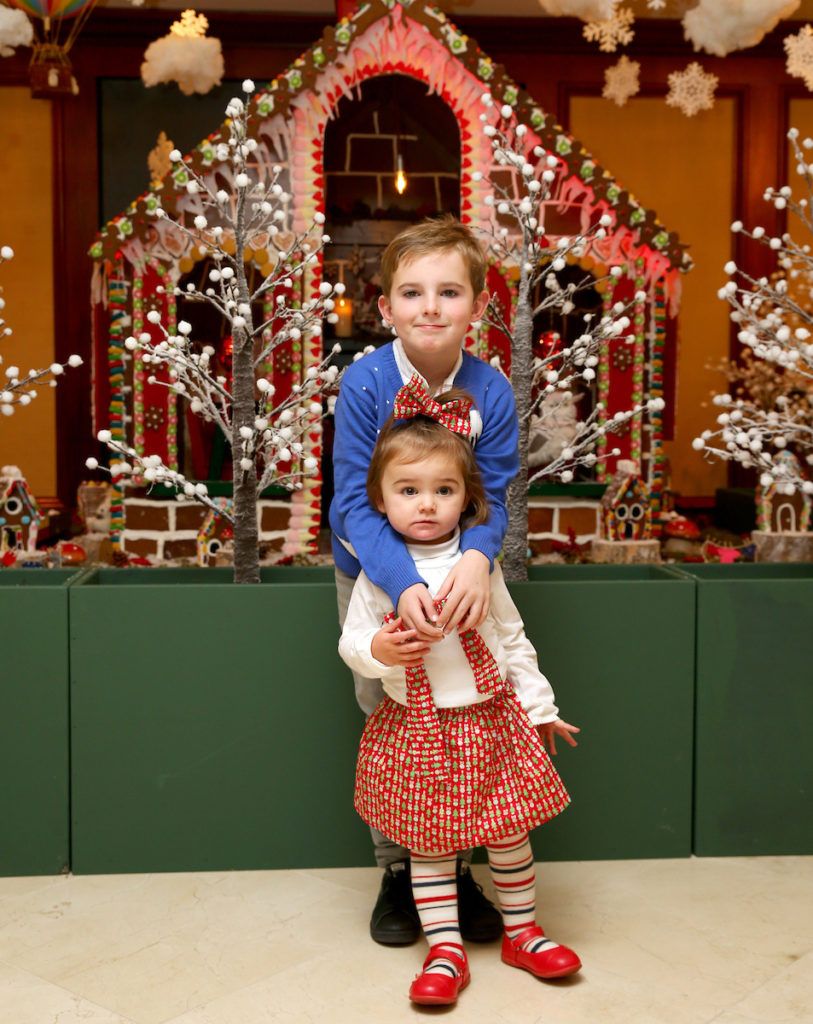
(480,921)
(395,920)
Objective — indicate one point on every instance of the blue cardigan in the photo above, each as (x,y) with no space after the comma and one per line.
(363,406)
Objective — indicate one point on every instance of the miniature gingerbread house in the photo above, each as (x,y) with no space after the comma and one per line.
(393,92)
(784,513)
(784,521)
(20,517)
(626,513)
(216,535)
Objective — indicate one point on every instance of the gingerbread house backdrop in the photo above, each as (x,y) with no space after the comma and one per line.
(394,87)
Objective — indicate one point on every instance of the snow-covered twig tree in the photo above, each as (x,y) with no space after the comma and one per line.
(774,316)
(267,435)
(522,242)
(17,387)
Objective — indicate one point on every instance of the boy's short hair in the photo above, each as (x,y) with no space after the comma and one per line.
(430,236)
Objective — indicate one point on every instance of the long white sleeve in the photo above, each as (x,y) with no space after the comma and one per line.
(365,613)
(533,689)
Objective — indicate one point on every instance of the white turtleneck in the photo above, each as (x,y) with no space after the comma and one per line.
(448,669)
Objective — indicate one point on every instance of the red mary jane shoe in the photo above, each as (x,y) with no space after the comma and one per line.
(441,989)
(557,962)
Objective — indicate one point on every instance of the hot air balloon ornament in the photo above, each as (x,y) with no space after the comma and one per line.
(57,23)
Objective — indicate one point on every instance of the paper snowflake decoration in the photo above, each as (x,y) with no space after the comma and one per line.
(692,90)
(799,49)
(612,33)
(621,81)
(656,5)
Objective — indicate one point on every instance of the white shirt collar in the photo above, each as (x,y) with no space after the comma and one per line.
(408,371)
(422,552)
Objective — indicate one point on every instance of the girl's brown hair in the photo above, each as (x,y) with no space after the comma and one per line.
(414,439)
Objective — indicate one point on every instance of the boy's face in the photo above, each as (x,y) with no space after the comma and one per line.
(431,305)
(423,500)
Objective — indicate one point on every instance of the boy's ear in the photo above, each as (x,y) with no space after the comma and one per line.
(384,307)
(480,304)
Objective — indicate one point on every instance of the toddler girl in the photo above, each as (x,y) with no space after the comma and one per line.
(454,756)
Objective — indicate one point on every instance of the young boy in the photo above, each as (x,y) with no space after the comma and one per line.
(433,283)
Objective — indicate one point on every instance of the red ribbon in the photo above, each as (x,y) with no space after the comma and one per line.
(414,400)
(428,753)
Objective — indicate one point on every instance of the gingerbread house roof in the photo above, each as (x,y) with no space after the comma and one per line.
(420,36)
(621,482)
(11,479)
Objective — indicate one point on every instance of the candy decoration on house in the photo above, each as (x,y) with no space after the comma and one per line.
(141,258)
(626,519)
(20,518)
(57,24)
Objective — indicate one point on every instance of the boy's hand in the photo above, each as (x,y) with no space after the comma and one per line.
(550,730)
(417,610)
(467,592)
(393,645)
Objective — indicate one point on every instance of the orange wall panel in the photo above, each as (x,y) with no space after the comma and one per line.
(27,439)
(683,168)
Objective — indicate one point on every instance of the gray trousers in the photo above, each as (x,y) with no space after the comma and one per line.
(369,693)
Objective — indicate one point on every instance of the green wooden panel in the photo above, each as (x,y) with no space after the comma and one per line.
(617,643)
(34,756)
(214,726)
(754,758)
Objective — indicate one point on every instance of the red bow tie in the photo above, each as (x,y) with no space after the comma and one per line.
(414,400)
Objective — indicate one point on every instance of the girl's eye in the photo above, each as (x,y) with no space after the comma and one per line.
(408,491)
(444,491)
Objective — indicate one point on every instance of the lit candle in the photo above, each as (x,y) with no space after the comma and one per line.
(344,311)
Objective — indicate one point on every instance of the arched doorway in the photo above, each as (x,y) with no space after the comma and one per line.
(392,122)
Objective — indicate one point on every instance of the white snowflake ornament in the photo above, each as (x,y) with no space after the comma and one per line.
(612,33)
(656,5)
(692,90)
(621,81)
(799,49)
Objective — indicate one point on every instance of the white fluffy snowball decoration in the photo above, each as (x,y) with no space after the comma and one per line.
(15,30)
(194,62)
(587,10)
(720,26)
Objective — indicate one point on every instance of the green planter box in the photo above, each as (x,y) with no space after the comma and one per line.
(188,756)
(753,754)
(214,726)
(617,643)
(34,755)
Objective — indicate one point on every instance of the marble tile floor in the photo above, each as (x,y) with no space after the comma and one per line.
(663,942)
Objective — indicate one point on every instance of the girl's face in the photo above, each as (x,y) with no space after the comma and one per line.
(424,500)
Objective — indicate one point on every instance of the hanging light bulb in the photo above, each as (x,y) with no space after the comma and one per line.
(400,177)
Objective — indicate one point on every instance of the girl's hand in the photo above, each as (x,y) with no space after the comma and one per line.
(417,610)
(393,645)
(550,730)
(467,593)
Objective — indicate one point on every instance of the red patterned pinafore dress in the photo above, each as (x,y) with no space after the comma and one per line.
(442,779)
